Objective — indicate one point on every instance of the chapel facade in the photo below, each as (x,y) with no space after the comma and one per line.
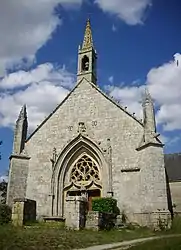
(90,144)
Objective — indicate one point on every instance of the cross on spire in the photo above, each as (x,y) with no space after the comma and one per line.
(88,41)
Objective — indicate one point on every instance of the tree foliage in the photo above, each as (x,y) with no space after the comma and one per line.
(3,191)
(3,187)
(5,214)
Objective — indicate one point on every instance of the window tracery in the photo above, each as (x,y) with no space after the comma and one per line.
(85,170)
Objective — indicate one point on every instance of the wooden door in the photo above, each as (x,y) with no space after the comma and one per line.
(91,195)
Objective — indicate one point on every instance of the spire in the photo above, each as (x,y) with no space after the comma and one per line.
(88,41)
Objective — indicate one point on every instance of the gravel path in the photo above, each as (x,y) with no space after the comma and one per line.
(127,244)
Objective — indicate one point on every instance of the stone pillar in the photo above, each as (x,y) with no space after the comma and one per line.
(18,213)
(75,212)
(93,221)
(23,210)
(18,174)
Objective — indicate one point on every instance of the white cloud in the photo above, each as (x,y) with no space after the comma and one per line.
(164,84)
(43,88)
(165,87)
(129,97)
(130,11)
(111,79)
(25,26)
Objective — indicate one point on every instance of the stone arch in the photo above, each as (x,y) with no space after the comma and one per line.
(76,148)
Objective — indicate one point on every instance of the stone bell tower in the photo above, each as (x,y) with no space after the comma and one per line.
(87,57)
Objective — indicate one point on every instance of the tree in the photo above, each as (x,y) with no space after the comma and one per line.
(3,191)
(3,187)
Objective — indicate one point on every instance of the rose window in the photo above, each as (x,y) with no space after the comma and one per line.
(84,170)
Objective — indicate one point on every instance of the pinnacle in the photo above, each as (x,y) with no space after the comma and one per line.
(147,96)
(22,113)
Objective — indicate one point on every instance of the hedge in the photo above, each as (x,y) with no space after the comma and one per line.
(108,205)
(5,214)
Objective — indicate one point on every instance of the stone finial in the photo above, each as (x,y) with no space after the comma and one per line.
(23,113)
(150,135)
(148,111)
(88,41)
(147,97)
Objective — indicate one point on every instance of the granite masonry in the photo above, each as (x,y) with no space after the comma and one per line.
(91,146)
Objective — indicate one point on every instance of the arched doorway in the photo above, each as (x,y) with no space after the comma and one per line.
(80,167)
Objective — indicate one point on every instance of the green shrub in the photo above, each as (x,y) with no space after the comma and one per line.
(5,214)
(108,205)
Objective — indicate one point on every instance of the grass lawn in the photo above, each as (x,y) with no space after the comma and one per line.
(163,244)
(46,237)
(51,236)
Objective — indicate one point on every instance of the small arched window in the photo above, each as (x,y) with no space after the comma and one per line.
(85,63)
(84,170)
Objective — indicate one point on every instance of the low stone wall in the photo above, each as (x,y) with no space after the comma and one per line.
(23,210)
(99,221)
(75,212)
(152,220)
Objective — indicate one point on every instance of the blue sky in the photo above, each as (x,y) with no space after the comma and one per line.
(136,41)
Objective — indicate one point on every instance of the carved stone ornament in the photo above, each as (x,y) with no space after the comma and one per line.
(94,123)
(81,127)
(70,128)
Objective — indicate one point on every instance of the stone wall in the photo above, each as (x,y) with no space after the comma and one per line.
(23,210)
(17,182)
(75,212)
(134,173)
(99,221)
(175,189)
(151,220)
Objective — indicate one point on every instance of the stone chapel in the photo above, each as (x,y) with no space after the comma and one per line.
(90,144)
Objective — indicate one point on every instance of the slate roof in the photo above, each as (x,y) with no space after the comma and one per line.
(173,166)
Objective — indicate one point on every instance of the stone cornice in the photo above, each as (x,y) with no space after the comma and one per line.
(19,156)
(148,144)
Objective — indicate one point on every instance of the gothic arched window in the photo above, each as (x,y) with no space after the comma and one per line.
(84,169)
(85,63)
